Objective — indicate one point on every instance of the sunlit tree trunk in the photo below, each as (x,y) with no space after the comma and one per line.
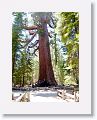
(45,65)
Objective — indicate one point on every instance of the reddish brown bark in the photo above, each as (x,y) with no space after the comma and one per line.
(45,65)
(30,28)
(42,61)
(31,32)
(46,73)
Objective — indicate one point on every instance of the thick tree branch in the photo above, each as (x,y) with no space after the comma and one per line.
(30,28)
(31,32)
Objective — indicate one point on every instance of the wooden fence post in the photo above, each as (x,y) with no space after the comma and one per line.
(75,94)
(64,94)
(28,96)
(12,96)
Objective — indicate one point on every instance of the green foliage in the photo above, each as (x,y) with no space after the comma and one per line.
(66,66)
(40,32)
(21,68)
(23,71)
(68,28)
(16,34)
(55,49)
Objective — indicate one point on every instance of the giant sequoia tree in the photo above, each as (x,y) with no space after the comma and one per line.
(41,20)
(55,36)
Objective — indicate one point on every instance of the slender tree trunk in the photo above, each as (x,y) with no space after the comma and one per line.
(23,80)
(13,64)
(20,82)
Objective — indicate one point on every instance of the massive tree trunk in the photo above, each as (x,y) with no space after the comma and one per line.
(46,74)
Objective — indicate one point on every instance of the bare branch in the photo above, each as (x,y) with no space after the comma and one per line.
(53,23)
(49,35)
(33,36)
(34,44)
(29,40)
(22,41)
(34,53)
(50,25)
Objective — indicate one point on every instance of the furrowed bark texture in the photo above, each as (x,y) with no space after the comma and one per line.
(46,73)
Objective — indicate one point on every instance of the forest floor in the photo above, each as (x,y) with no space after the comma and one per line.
(43,96)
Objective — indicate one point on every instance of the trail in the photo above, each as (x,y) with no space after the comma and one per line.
(44,96)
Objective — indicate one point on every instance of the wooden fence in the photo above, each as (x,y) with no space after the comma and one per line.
(24,97)
(72,94)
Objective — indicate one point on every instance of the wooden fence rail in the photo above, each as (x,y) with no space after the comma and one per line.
(64,95)
(25,97)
